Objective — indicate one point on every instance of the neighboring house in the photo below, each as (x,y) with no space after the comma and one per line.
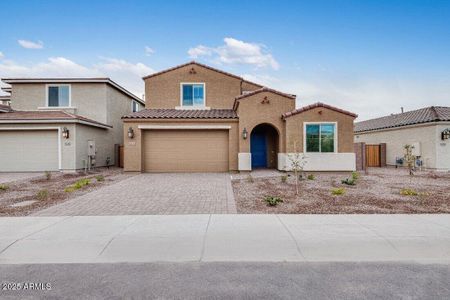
(200,119)
(63,124)
(427,129)
(5,100)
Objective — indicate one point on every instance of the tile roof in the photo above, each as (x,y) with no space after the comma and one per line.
(5,108)
(263,89)
(183,114)
(315,105)
(423,115)
(51,115)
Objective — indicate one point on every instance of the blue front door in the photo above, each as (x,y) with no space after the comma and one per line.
(258,147)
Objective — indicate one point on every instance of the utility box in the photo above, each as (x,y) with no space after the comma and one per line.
(91,148)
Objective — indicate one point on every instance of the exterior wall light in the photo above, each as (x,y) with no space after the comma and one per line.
(445,135)
(130,133)
(65,133)
(244,133)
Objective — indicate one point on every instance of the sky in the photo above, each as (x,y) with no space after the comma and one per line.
(368,57)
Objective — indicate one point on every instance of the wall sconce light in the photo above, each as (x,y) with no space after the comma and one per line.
(65,133)
(445,135)
(244,133)
(130,133)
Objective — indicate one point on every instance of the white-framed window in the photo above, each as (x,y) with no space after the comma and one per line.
(58,95)
(135,106)
(320,137)
(192,94)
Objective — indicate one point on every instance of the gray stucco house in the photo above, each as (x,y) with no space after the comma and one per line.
(62,124)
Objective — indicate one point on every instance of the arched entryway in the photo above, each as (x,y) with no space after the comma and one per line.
(264,146)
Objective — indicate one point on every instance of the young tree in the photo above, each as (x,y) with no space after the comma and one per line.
(298,162)
(409,158)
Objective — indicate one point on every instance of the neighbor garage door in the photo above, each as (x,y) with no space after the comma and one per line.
(185,150)
(33,150)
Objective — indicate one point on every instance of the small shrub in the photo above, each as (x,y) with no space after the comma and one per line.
(338,191)
(100,178)
(42,195)
(284,178)
(349,181)
(48,175)
(3,187)
(311,177)
(273,201)
(355,176)
(408,192)
(250,178)
(77,185)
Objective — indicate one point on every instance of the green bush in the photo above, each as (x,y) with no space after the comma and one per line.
(100,178)
(284,178)
(48,175)
(273,201)
(338,191)
(3,187)
(349,181)
(77,185)
(408,192)
(42,195)
(355,175)
(311,177)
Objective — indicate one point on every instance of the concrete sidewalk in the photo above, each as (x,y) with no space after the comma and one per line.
(208,238)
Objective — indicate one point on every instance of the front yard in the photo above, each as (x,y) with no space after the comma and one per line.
(379,191)
(25,196)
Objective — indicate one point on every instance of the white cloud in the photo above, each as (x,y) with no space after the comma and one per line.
(123,72)
(149,51)
(237,52)
(1,55)
(31,45)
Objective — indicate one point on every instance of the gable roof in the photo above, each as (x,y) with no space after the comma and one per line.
(5,108)
(315,105)
(418,116)
(47,116)
(263,89)
(75,80)
(183,114)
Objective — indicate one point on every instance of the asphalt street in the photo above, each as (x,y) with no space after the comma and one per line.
(217,280)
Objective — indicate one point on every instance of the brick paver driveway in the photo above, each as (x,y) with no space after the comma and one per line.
(181,193)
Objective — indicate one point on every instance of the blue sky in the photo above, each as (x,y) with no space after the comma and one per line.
(370,57)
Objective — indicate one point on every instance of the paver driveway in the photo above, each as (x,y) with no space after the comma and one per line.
(180,193)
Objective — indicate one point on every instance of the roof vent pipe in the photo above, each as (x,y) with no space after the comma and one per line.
(401,108)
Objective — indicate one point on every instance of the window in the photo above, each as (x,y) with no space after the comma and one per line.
(134,106)
(58,96)
(320,137)
(193,94)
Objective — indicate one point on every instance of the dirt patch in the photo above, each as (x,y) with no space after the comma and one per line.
(50,192)
(376,192)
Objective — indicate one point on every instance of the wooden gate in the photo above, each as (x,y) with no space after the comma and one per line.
(373,155)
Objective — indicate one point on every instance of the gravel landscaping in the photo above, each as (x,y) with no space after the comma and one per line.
(25,196)
(378,191)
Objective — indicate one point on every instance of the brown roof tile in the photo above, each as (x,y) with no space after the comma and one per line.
(5,108)
(51,115)
(315,105)
(183,114)
(423,115)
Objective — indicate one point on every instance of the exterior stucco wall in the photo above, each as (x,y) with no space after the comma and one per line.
(133,147)
(252,112)
(163,91)
(249,86)
(428,135)
(103,143)
(294,128)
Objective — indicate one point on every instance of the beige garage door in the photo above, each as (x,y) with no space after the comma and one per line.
(33,150)
(185,150)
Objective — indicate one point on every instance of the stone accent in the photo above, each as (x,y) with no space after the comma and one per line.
(360,153)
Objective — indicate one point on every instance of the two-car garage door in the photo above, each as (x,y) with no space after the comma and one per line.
(28,150)
(185,150)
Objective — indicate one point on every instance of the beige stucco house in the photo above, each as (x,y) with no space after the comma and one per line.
(427,129)
(62,124)
(200,119)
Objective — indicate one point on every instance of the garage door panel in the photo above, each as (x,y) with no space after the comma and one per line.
(31,150)
(185,151)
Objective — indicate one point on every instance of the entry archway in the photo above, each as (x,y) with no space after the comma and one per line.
(264,143)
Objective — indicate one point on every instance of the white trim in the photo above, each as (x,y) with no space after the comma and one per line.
(193,106)
(55,107)
(212,127)
(54,121)
(58,85)
(321,123)
(58,129)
